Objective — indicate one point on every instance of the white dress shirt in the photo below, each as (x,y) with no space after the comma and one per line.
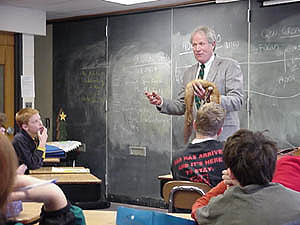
(206,68)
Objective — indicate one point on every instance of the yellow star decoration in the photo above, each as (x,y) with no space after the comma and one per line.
(63,116)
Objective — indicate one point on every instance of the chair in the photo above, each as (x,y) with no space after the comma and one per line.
(183,194)
(288,151)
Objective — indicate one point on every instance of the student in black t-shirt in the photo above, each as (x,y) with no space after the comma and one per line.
(202,160)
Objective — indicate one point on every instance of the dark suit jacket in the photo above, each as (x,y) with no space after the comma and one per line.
(227,75)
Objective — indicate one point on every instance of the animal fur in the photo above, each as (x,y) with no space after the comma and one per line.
(189,104)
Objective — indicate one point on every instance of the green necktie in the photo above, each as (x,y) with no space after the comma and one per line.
(200,76)
(201,71)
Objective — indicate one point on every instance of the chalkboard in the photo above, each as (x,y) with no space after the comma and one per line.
(230,24)
(274,72)
(149,52)
(79,87)
(139,47)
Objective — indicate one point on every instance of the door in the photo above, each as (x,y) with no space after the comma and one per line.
(7,77)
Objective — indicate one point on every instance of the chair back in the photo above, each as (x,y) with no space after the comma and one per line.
(288,151)
(183,194)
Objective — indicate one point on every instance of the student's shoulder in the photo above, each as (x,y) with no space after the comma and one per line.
(179,153)
(20,136)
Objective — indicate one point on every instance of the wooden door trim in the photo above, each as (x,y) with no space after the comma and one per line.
(7,59)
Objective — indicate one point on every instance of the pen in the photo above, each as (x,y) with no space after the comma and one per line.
(53,181)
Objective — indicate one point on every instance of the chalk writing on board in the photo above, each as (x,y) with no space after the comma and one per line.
(92,81)
(281,32)
(133,73)
(273,96)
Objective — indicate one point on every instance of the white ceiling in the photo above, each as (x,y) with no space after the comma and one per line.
(61,9)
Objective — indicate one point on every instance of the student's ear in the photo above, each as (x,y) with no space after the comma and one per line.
(230,174)
(232,177)
(220,131)
(24,126)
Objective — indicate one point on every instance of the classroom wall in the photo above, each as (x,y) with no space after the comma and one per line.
(29,22)
(119,67)
(43,76)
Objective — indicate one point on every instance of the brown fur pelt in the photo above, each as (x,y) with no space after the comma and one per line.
(189,103)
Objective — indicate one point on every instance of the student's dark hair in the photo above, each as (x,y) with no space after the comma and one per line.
(251,156)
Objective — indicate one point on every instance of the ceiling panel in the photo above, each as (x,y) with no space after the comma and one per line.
(60,9)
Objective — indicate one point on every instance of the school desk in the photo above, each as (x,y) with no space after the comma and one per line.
(30,213)
(59,170)
(164,179)
(78,187)
(51,160)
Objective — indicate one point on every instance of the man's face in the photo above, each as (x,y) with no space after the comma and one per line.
(34,125)
(201,48)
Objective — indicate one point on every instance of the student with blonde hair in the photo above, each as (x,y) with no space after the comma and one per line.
(202,160)
(30,142)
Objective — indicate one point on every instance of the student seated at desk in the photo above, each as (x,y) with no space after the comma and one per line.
(56,210)
(251,197)
(287,173)
(202,160)
(30,142)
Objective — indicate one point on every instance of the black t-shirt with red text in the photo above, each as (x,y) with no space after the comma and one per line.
(200,162)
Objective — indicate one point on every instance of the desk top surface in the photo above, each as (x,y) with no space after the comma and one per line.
(72,178)
(94,217)
(51,160)
(60,170)
(165,177)
(31,212)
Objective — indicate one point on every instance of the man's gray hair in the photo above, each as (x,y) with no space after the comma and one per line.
(209,32)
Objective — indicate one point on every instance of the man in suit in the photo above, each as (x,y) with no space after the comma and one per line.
(224,72)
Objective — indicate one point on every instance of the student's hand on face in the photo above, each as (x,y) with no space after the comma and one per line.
(43,136)
(198,90)
(228,178)
(154,98)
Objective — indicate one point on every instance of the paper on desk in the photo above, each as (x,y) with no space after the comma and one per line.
(70,170)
